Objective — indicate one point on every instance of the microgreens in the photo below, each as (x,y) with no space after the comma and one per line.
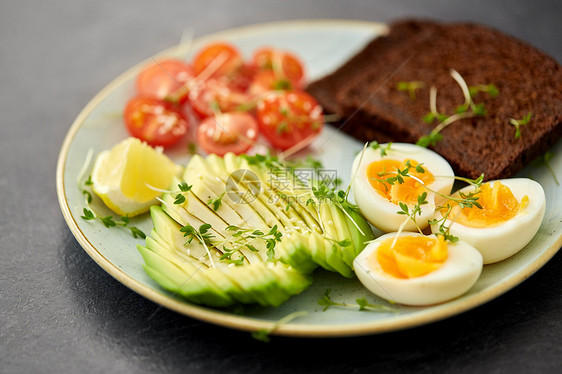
(518,123)
(442,229)
(416,209)
(490,89)
(282,84)
(229,252)
(202,235)
(410,87)
(466,200)
(192,148)
(180,197)
(216,202)
(468,109)
(362,304)
(109,221)
(271,238)
(383,150)
(263,334)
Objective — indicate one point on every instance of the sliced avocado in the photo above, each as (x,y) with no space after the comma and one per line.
(311,236)
(165,250)
(293,281)
(270,288)
(220,280)
(187,284)
(319,246)
(334,253)
(207,185)
(286,191)
(295,251)
(263,202)
(340,224)
(218,226)
(169,230)
(360,230)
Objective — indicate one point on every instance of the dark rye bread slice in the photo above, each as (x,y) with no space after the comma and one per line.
(364,91)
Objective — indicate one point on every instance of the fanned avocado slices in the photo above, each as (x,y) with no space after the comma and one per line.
(244,233)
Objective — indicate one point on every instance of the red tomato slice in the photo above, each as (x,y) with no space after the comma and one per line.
(224,58)
(215,95)
(265,81)
(157,122)
(284,64)
(288,118)
(243,77)
(229,132)
(165,79)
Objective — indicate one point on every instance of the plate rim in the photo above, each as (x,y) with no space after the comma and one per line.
(244,323)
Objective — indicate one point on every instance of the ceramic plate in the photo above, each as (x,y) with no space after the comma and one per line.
(323,46)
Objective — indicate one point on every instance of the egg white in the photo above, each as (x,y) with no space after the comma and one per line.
(498,242)
(381,212)
(457,275)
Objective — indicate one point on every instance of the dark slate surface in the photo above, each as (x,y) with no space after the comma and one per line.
(61,313)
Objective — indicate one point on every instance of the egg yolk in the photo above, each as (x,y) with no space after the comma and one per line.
(498,205)
(408,191)
(410,256)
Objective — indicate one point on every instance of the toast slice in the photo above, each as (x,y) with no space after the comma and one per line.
(365,92)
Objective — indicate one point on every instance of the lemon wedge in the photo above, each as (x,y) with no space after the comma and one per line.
(122,175)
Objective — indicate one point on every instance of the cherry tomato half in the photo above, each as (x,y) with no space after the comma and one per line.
(284,64)
(165,79)
(288,118)
(224,58)
(265,81)
(228,132)
(216,95)
(157,122)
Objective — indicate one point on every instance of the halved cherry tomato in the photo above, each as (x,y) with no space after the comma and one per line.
(215,95)
(165,79)
(288,118)
(265,81)
(217,59)
(228,132)
(243,77)
(157,122)
(282,63)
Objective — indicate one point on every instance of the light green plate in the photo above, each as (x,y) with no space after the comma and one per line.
(323,46)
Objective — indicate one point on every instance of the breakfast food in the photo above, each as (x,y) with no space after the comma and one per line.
(231,101)
(378,192)
(231,228)
(247,236)
(510,215)
(414,269)
(487,102)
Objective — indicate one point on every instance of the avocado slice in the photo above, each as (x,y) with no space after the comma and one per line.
(334,254)
(360,230)
(191,285)
(296,252)
(208,185)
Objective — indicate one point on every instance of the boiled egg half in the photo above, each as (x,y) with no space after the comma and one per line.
(378,188)
(510,215)
(414,269)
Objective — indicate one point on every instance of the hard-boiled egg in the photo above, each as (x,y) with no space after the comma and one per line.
(511,214)
(379,200)
(414,269)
